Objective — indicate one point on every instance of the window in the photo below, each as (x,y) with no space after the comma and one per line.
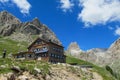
(61,50)
(17,56)
(45,49)
(52,55)
(53,48)
(22,55)
(45,55)
(38,42)
(38,49)
(57,49)
(58,56)
(29,55)
(55,56)
(61,57)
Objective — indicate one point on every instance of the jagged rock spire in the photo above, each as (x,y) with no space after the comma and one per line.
(36,22)
(8,18)
(74,49)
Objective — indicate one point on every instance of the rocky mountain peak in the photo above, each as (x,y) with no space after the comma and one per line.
(117,42)
(74,49)
(13,28)
(96,50)
(8,18)
(74,45)
(115,46)
(36,22)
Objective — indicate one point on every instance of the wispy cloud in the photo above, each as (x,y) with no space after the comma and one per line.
(110,28)
(3,1)
(23,5)
(99,11)
(66,5)
(117,31)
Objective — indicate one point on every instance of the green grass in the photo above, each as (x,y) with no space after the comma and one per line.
(7,63)
(34,37)
(12,46)
(70,59)
(28,65)
(102,71)
(5,70)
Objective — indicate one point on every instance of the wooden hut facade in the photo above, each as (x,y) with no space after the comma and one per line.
(44,50)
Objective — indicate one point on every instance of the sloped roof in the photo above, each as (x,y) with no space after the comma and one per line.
(44,41)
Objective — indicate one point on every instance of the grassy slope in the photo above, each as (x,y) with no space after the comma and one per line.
(12,46)
(105,74)
(27,65)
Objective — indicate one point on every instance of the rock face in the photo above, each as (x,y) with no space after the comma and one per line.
(13,28)
(98,56)
(115,47)
(103,57)
(113,51)
(8,23)
(74,49)
(7,18)
(112,54)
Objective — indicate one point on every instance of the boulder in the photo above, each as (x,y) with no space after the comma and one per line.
(16,69)
(37,70)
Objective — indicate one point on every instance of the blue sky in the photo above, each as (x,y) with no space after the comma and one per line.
(91,23)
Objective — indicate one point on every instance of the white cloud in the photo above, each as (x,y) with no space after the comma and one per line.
(99,11)
(66,5)
(117,31)
(110,28)
(3,1)
(23,5)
